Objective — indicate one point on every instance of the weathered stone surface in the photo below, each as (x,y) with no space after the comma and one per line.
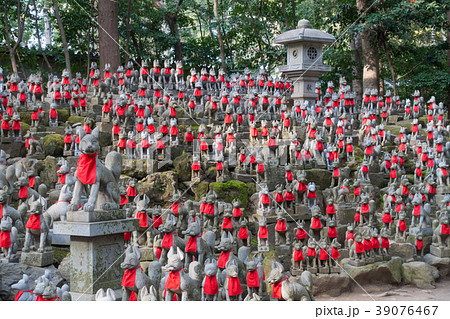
(442,264)
(420,274)
(379,272)
(159,186)
(37,259)
(64,268)
(321,177)
(233,189)
(182,166)
(12,273)
(53,144)
(48,173)
(403,250)
(332,285)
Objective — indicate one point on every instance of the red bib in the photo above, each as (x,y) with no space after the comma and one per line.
(34,222)
(402,225)
(243,233)
(301,233)
(143,219)
(281,225)
(311,252)
(315,223)
(445,229)
(276,289)
(223,259)
(364,208)
(253,279)
(5,239)
(123,200)
(23,192)
(86,168)
(234,286)
(350,236)
(173,281)
(157,221)
(335,253)
(191,245)
(332,232)
(298,255)
(129,277)
(227,223)
(131,191)
(330,209)
(323,255)
(167,241)
(385,242)
(419,244)
(237,212)
(211,287)
(20,293)
(359,247)
(263,233)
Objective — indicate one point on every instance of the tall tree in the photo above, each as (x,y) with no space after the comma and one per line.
(63,37)
(38,36)
(108,33)
(171,17)
(369,50)
(20,28)
(219,34)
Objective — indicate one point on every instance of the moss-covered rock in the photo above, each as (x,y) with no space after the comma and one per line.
(24,127)
(182,166)
(231,190)
(75,119)
(63,115)
(389,272)
(25,117)
(420,274)
(104,139)
(200,189)
(159,187)
(53,144)
(321,177)
(48,173)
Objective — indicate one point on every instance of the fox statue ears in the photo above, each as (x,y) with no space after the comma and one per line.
(227,236)
(179,253)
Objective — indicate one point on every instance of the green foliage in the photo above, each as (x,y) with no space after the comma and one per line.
(232,190)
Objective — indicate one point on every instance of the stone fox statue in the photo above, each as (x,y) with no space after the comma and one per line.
(100,180)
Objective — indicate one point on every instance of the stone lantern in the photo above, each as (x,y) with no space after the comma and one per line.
(304,58)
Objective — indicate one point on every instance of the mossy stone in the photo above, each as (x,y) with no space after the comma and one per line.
(54,144)
(63,115)
(75,119)
(25,117)
(231,190)
(182,166)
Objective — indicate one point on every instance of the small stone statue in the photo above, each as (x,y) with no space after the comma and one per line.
(282,233)
(291,291)
(263,235)
(37,229)
(210,286)
(8,238)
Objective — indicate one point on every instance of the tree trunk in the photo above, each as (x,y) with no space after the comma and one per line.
(356,47)
(219,34)
(63,37)
(283,10)
(294,22)
(20,27)
(448,63)
(108,33)
(370,53)
(172,21)
(38,35)
(391,68)
(127,26)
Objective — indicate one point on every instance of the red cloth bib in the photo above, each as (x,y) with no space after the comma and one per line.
(234,286)
(281,225)
(157,221)
(34,222)
(359,247)
(143,219)
(385,242)
(5,239)
(252,279)
(276,289)
(211,287)
(402,225)
(263,233)
(86,168)
(167,241)
(123,200)
(23,192)
(237,212)
(20,293)
(335,253)
(323,255)
(332,232)
(330,209)
(315,223)
(227,223)
(301,233)
(416,211)
(419,244)
(387,218)
(243,233)
(191,245)
(311,252)
(173,281)
(223,259)
(129,277)
(131,191)
(298,255)
(445,229)
(364,208)
(311,195)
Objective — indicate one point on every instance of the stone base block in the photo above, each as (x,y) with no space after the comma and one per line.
(296,271)
(68,153)
(440,252)
(357,263)
(59,240)
(324,270)
(82,216)
(37,259)
(147,253)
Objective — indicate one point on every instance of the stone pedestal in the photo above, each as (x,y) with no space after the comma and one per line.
(96,249)
(37,259)
(440,252)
